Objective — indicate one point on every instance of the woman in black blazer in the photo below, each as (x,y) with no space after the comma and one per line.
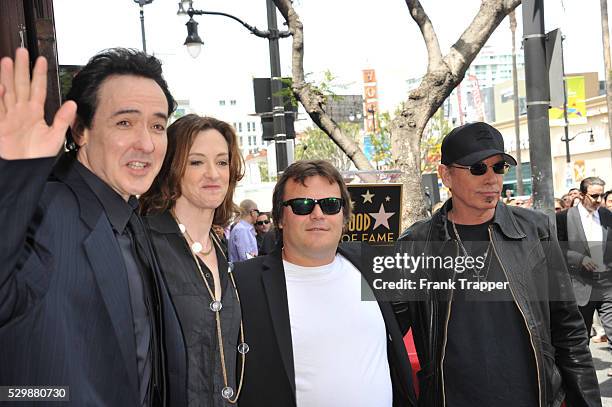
(193,191)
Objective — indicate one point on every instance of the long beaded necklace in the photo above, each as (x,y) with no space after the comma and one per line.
(477,270)
(215,306)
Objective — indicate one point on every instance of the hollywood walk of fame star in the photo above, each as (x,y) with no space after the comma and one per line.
(367,197)
(381,217)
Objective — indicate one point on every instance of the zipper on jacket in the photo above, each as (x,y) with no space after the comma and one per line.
(450,303)
(535,356)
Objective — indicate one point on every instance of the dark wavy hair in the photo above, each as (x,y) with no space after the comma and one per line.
(166,187)
(300,171)
(605,196)
(115,61)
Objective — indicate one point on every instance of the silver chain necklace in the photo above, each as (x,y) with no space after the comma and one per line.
(477,270)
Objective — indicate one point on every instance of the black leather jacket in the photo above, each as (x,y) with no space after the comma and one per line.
(556,329)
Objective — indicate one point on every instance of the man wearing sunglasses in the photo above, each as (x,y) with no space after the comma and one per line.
(585,233)
(262,227)
(522,345)
(312,340)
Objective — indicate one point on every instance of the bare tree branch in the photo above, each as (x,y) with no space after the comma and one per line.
(314,101)
(434,55)
(443,75)
(490,15)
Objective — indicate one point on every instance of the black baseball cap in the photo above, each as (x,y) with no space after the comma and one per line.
(472,143)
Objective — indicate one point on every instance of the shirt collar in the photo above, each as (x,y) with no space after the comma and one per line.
(246,224)
(117,209)
(585,213)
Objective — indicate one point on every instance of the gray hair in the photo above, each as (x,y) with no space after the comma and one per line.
(585,183)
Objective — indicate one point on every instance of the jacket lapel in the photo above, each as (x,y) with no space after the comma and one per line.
(109,270)
(603,219)
(575,229)
(107,264)
(275,287)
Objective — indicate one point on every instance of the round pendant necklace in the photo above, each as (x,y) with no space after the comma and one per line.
(196,246)
(215,306)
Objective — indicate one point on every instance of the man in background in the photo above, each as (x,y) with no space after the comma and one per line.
(262,226)
(585,233)
(242,244)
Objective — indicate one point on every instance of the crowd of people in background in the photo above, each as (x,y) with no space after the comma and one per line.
(252,233)
(568,200)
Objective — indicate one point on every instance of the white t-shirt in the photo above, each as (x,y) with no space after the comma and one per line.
(339,341)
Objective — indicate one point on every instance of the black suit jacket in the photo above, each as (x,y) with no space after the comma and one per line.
(269,376)
(572,240)
(65,313)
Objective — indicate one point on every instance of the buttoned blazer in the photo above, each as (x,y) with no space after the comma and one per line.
(269,375)
(573,241)
(65,311)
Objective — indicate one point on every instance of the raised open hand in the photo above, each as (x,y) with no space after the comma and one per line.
(23,130)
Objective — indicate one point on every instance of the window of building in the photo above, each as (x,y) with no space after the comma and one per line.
(222,103)
(233,102)
(240,126)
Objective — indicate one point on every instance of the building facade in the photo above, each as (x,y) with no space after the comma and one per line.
(589,150)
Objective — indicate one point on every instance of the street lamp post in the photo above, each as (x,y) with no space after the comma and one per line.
(272,34)
(276,86)
(142,3)
(566,139)
(538,102)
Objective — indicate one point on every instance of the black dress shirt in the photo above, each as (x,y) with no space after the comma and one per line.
(139,275)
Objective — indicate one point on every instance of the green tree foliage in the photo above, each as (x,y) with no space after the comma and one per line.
(381,140)
(314,144)
(436,129)
(263,172)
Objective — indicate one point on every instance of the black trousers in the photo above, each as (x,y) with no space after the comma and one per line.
(600,300)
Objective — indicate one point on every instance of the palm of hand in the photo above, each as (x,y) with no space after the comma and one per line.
(24,133)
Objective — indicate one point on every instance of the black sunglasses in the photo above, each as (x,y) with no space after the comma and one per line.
(595,197)
(501,168)
(305,206)
(262,222)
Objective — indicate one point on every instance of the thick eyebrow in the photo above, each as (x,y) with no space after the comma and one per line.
(128,111)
